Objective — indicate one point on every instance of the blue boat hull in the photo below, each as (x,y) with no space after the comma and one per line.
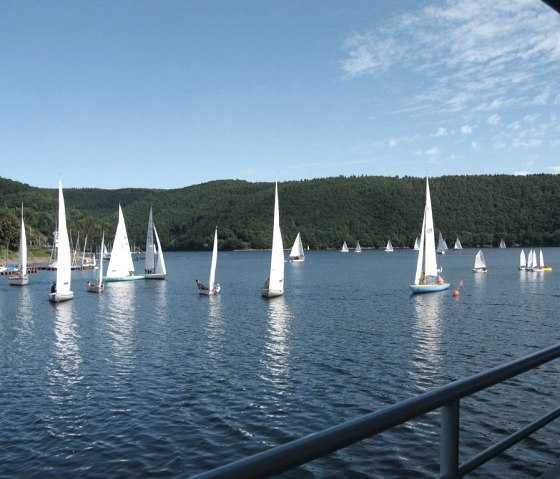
(428,288)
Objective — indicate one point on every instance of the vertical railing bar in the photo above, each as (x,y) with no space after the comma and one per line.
(449,440)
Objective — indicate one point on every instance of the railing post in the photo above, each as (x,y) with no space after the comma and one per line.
(449,441)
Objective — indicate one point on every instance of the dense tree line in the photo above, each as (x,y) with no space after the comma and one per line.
(480,210)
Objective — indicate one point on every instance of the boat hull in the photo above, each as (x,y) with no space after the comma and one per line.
(480,270)
(18,280)
(428,288)
(60,297)
(114,279)
(93,288)
(272,293)
(155,276)
(208,292)
(298,260)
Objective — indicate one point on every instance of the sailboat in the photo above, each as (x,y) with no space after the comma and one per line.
(358,248)
(389,247)
(120,265)
(344,248)
(61,288)
(426,279)
(458,244)
(479,263)
(153,269)
(274,284)
(417,244)
(21,278)
(522,261)
(296,254)
(538,264)
(442,245)
(502,243)
(98,286)
(212,287)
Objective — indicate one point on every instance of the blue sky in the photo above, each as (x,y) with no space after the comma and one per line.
(166,94)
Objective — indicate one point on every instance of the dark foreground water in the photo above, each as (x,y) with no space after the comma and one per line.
(152,380)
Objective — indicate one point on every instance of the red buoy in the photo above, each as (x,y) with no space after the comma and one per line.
(456,293)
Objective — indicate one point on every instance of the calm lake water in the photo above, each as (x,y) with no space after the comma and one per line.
(152,380)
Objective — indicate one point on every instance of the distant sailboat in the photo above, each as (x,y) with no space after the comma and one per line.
(274,284)
(389,247)
(502,243)
(153,269)
(21,278)
(522,261)
(458,244)
(212,287)
(426,279)
(61,288)
(344,248)
(358,248)
(417,244)
(480,263)
(98,286)
(442,245)
(120,265)
(296,254)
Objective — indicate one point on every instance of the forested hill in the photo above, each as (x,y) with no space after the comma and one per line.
(480,210)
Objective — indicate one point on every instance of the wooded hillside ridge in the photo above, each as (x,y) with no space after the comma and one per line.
(480,210)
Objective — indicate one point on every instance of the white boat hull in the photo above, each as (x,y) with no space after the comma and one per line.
(428,288)
(480,270)
(113,279)
(18,280)
(297,260)
(60,297)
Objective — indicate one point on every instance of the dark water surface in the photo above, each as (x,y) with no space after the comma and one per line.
(152,380)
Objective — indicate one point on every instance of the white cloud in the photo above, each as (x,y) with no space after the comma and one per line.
(555,169)
(434,151)
(440,132)
(475,145)
(466,129)
(494,119)
(393,142)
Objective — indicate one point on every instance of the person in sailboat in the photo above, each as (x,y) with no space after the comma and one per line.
(199,285)
(53,287)
(267,283)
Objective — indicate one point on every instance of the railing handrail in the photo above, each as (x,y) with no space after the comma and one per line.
(300,451)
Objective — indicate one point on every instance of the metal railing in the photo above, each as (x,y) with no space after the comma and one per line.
(447,398)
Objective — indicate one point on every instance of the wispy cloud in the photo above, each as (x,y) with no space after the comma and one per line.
(475,54)
(466,129)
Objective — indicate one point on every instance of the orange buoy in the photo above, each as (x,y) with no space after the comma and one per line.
(456,293)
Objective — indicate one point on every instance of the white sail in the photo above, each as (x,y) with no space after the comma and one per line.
(100,270)
(389,247)
(358,248)
(458,244)
(297,254)
(160,266)
(442,244)
(64,255)
(541,259)
(502,243)
(416,244)
(149,264)
(213,264)
(21,278)
(479,261)
(426,279)
(274,286)
(522,260)
(212,287)
(530,259)
(153,269)
(344,248)
(120,265)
